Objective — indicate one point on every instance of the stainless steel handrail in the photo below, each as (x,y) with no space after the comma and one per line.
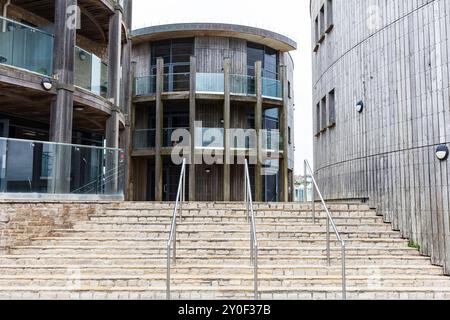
(254,239)
(173,229)
(330,220)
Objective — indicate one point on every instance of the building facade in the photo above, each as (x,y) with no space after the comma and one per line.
(64,94)
(381,112)
(210,80)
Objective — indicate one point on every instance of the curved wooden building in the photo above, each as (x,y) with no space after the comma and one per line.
(381,111)
(206,78)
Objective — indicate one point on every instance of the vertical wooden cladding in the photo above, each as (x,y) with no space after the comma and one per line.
(141,55)
(399,67)
(210,52)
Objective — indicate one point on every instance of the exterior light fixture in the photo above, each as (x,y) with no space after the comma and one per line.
(208,170)
(360,107)
(82,55)
(78,108)
(47,84)
(442,152)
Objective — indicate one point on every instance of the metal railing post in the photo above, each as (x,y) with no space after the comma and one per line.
(328,242)
(175,244)
(305,200)
(168,274)
(314,204)
(344,276)
(255,280)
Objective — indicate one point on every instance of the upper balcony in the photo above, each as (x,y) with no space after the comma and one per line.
(209,83)
(31,49)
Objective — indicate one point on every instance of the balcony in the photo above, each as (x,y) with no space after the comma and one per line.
(91,73)
(209,83)
(31,49)
(36,167)
(25,47)
(146,138)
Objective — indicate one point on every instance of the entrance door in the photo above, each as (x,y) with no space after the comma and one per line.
(171,180)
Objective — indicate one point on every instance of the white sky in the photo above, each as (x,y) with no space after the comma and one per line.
(288,17)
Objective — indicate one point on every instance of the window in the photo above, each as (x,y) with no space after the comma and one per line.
(289,136)
(289,90)
(318,119)
(268,57)
(316,34)
(322,24)
(323,114)
(331,109)
(174,52)
(330,23)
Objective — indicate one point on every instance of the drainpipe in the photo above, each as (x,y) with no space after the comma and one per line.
(5,12)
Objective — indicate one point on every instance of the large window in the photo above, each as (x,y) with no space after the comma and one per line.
(268,57)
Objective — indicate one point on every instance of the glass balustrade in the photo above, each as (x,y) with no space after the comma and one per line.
(271,88)
(145,86)
(242,85)
(209,138)
(144,139)
(49,168)
(176,82)
(210,82)
(171,140)
(272,140)
(91,73)
(25,47)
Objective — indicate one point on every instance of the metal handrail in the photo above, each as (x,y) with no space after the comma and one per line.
(173,229)
(330,220)
(254,239)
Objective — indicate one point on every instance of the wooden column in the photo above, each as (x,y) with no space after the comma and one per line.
(192,114)
(114,51)
(61,113)
(226,126)
(284,161)
(63,69)
(159,129)
(258,128)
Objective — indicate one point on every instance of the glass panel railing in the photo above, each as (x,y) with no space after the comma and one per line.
(272,140)
(50,168)
(90,72)
(175,82)
(25,47)
(271,88)
(209,138)
(243,139)
(242,85)
(145,86)
(210,82)
(144,139)
(171,140)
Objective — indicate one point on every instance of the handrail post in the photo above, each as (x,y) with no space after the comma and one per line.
(328,242)
(344,276)
(255,280)
(252,241)
(168,273)
(305,190)
(175,244)
(314,204)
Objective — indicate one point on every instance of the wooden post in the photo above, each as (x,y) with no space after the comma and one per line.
(226,129)
(258,128)
(159,129)
(192,114)
(61,114)
(284,161)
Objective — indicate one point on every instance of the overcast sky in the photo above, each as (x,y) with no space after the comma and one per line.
(288,17)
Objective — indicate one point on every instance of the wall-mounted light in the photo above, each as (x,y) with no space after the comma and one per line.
(82,55)
(208,170)
(78,108)
(360,107)
(222,121)
(47,84)
(442,152)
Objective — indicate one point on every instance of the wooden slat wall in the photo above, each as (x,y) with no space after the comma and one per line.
(141,55)
(400,69)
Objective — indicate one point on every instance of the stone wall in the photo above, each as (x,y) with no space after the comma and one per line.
(21,222)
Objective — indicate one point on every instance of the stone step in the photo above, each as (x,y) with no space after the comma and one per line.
(152,260)
(83,249)
(208,226)
(217,242)
(230,234)
(225,293)
(75,281)
(231,270)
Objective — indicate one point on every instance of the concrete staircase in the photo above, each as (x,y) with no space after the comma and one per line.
(121,254)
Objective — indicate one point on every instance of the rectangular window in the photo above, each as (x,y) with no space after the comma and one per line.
(331,109)
(322,24)
(323,114)
(330,23)
(317,31)
(289,90)
(318,119)
(289,136)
